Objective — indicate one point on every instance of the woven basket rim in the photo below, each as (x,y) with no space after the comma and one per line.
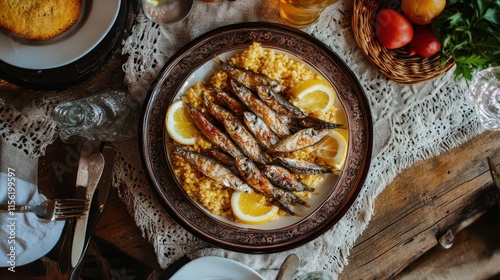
(395,64)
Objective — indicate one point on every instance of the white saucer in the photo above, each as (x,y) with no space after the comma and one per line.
(215,268)
(70,47)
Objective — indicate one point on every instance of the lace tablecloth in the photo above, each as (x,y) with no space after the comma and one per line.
(411,123)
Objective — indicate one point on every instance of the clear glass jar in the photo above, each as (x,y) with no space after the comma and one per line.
(485,93)
(110,116)
(317,275)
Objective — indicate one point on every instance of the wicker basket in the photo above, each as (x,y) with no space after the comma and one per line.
(396,64)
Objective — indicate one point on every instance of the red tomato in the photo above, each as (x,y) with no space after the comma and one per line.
(424,43)
(392,29)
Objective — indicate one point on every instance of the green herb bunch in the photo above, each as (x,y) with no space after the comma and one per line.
(469,31)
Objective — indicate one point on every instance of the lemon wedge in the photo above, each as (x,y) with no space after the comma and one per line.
(252,208)
(179,124)
(313,96)
(333,148)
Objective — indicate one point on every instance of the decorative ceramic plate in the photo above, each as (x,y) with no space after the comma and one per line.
(210,268)
(95,22)
(194,63)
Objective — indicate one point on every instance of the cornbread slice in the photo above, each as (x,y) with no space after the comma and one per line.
(39,19)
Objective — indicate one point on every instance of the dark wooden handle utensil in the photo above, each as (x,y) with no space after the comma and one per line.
(288,267)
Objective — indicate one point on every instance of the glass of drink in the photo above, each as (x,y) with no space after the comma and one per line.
(317,275)
(485,93)
(166,11)
(302,13)
(108,116)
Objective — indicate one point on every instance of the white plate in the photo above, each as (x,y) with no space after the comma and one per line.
(61,51)
(203,73)
(215,268)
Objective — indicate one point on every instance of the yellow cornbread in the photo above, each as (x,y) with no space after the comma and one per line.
(39,19)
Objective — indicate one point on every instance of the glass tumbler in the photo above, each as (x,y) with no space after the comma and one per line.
(109,116)
(302,13)
(317,275)
(485,93)
(166,11)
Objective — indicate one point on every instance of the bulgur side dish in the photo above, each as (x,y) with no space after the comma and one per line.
(251,136)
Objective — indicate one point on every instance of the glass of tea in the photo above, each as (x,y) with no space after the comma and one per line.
(302,13)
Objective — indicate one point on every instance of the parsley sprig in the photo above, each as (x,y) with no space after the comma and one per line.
(469,31)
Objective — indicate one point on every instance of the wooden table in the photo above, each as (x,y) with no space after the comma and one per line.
(421,203)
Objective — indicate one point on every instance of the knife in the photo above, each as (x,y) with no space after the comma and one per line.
(95,168)
(102,196)
(107,175)
(63,264)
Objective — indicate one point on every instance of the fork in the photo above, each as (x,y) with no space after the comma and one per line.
(52,209)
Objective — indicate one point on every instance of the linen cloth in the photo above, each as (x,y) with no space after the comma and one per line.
(29,236)
(410,123)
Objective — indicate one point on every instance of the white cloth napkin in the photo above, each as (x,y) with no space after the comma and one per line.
(24,237)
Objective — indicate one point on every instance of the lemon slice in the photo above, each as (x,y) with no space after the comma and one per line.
(333,148)
(252,208)
(179,124)
(313,96)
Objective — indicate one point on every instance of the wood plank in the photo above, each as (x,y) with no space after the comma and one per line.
(423,202)
(475,254)
(117,228)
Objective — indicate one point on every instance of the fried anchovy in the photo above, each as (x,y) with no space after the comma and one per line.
(248,78)
(231,103)
(212,133)
(260,130)
(279,103)
(259,108)
(223,158)
(245,141)
(261,184)
(237,131)
(301,166)
(285,179)
(308,122)
(299,140)
(214,170)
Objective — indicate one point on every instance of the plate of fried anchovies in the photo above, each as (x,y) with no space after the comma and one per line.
(256,137)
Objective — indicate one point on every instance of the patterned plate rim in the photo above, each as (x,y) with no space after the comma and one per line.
(160,174)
